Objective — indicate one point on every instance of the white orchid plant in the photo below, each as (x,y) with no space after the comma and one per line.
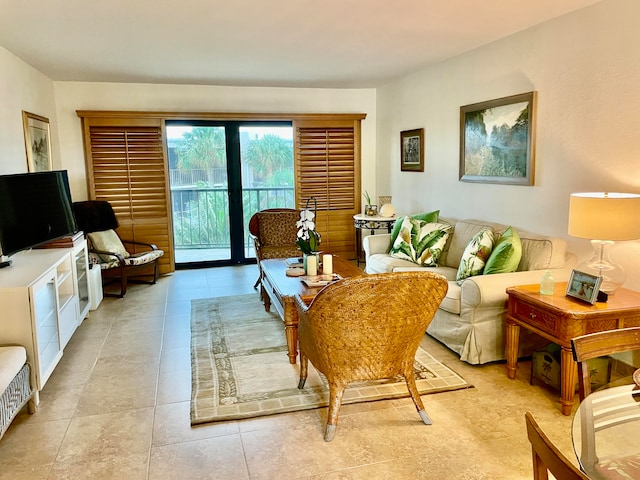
(308,238)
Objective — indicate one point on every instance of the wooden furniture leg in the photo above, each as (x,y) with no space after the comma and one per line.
(568,376)
(291,329)
(512,345)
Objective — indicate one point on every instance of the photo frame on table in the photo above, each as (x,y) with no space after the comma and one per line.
(584,286)
(497,140)
(37,141)
(412,150)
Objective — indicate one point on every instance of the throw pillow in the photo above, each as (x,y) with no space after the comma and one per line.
(475,255)
(107,241)
(426,217)
(506,253)
(420,242)
(278,228)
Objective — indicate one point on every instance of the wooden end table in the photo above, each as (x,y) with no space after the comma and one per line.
(280,291)
(559,318)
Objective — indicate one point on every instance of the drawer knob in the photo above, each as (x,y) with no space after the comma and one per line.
(532,315)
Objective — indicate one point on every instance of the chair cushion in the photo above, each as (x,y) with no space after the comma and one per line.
(11,361)
(143,257)
(476,254)
(108,241)
(506,253)
(278,228)
(420,242)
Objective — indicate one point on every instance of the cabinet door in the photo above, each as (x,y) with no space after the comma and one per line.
(82,281)
(45,327)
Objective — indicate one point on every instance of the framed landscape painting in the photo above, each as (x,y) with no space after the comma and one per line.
(497,140)
(37,140)
(412,150)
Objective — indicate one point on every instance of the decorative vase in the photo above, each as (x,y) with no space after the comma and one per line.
(311,266)
(371,210)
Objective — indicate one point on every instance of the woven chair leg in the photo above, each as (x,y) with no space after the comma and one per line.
(304,368)
(415,396)
(335,402)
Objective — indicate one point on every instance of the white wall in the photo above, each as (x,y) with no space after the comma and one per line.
(23,88)
(72,96)
(585,67)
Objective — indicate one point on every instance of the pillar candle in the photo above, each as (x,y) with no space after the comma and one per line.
(327,264)
(312,265)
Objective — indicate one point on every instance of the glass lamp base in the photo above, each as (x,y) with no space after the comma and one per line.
(613,275)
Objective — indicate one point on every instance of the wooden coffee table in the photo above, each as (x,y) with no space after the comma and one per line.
(279,290)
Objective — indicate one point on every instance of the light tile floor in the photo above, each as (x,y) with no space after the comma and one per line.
(117,406)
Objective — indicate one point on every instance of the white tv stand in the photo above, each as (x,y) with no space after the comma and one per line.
(44,296)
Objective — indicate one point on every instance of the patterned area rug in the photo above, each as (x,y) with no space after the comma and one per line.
(240,368)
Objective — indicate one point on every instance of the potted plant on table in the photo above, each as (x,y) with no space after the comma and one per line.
(308,238)
(369,209)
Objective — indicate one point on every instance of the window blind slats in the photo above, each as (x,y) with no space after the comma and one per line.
(327,168)
(127,168)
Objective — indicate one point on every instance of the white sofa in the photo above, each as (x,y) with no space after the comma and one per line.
(470,320)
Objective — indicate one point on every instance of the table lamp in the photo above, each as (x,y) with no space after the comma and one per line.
(605,218)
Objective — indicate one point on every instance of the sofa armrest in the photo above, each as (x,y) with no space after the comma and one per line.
(490,290)
(373,244)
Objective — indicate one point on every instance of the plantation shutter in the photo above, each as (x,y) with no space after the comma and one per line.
(327,164)
(126,166)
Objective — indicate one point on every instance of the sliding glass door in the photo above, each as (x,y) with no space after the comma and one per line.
(221,173)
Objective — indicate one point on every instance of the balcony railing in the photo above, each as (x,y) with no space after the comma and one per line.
(201,215)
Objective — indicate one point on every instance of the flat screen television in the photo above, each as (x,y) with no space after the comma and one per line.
(34,208)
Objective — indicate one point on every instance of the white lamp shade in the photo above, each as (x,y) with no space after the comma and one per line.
(604,216)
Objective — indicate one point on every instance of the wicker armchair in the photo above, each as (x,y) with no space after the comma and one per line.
(367,328)
(274,234)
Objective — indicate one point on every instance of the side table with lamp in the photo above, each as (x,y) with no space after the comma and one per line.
(558,317)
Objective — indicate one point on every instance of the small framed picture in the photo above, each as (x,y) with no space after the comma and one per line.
(412,150)
(37,140)
(583,286)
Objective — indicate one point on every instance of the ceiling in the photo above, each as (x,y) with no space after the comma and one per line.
(287,43)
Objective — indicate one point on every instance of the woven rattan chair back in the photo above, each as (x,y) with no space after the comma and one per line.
(366,328)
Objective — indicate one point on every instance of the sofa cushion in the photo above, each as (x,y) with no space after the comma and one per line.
(278,228)
(540,253)
(475,255)
(420,242)
(506,253)
(427,217)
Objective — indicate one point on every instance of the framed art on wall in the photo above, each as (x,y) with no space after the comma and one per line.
(412,150)
(37,140)
(497,140)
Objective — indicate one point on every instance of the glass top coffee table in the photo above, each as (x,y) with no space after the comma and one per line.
(279,290)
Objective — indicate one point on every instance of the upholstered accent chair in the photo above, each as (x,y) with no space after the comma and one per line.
(107,250)
(367,328)
(273,232)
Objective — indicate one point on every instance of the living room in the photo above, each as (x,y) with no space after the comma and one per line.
(583,66)
(578,63)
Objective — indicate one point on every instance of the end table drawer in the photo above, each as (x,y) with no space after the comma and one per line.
(535,317)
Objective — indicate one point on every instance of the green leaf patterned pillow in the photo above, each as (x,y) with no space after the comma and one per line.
(475,255)
(426,217)
(420,242)
(506,254)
